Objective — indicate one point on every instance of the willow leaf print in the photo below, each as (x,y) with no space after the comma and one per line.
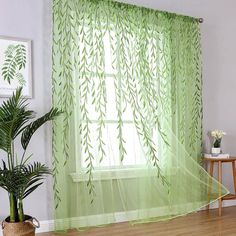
(117,69)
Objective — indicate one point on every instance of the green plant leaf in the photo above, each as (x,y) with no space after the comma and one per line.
(33,126)
(13,117)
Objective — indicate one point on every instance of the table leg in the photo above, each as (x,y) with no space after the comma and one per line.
(220,180)
(234,176)
(210,183)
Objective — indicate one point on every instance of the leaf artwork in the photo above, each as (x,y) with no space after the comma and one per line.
(21,79)
(14,63)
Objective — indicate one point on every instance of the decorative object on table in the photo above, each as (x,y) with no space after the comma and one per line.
(221,155)
(217,136)
(17,176)
(15,66)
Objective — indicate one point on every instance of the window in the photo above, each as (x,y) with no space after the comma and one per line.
(134,154)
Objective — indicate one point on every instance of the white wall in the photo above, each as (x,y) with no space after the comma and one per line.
(32,19)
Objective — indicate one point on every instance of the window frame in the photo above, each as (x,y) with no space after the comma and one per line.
(80,169)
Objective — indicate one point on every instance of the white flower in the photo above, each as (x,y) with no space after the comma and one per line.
(217,134)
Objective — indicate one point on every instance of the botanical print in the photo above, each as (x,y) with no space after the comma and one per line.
(15,60)
(15,66)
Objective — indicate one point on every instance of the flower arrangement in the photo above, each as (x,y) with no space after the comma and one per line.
(217,135)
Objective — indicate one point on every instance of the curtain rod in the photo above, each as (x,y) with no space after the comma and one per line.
(200,20)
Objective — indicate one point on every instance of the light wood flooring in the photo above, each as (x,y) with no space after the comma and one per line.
(197,224)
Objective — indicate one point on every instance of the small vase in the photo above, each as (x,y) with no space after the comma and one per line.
(215,150)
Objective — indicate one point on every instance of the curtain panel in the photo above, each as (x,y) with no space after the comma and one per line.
(129,143)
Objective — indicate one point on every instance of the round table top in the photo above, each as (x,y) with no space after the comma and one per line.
(230,159)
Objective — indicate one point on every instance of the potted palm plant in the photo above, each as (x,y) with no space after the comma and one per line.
(17,176)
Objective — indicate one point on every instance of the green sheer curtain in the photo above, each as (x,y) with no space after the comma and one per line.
(128,146)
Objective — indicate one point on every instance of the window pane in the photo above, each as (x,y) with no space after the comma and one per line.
(108,54)
(111,147)
(134,156)
(128,113)
(94,98)
(133,148)
(111,99)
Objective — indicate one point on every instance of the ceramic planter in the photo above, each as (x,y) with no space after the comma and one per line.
(215,150)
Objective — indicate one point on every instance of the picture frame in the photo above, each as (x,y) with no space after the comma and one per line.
(15,66)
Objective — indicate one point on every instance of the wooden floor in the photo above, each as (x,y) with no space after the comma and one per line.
(198,224)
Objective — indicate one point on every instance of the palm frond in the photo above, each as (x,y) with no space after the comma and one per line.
(3,141)
(33,176)
(9,179)
(31,189)
(35,170)
(23,179)
(13,117)
(33,126)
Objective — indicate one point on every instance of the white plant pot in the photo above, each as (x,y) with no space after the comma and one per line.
(215,150)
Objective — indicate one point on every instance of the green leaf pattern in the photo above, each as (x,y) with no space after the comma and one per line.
(14,62)
(156,59)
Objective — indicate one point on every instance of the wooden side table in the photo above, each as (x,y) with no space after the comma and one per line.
(219,161)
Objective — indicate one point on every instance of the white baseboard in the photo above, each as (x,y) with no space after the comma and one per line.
(48,225)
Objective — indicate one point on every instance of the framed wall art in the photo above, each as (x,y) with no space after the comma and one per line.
(15,66)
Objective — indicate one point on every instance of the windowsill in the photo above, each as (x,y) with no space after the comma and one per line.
(119,173)
(113,174)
